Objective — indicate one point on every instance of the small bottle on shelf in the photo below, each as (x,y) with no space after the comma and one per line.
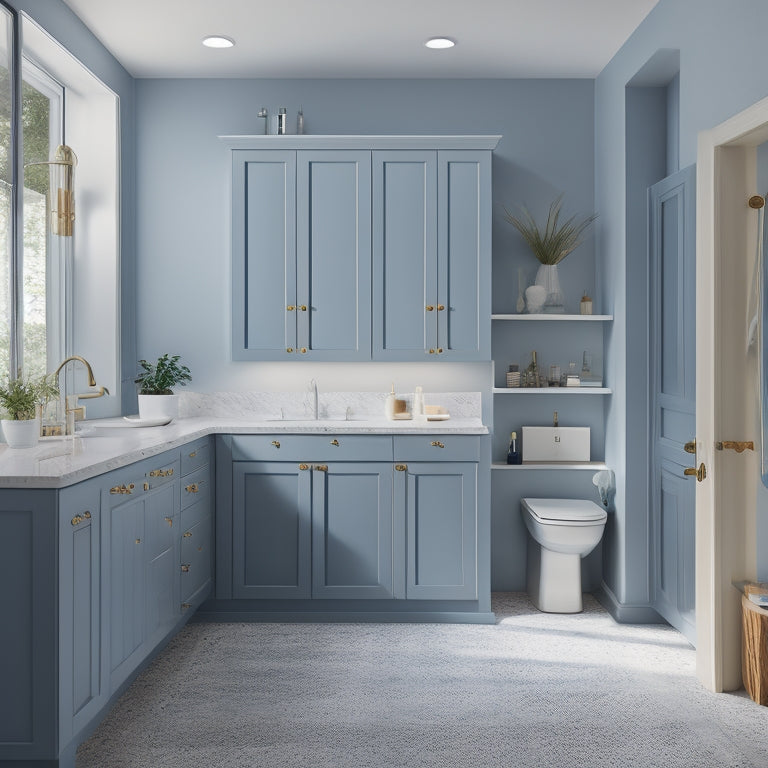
(532,377)
(513,455)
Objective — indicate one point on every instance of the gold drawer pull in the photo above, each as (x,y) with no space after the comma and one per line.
(161,472)
(302,467)
(334,441)
(401,467)
(276,443)
(87,515)
(430,308)
(169,520)
(192,488)
(185,567)
(146,486)
(321,467)
(187,534)
(437,444)
(193,454)
(122,489)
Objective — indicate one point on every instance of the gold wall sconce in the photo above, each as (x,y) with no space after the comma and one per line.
(61,192)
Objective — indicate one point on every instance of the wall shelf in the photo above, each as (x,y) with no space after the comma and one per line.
(595,466)
(552,391)
(569,318)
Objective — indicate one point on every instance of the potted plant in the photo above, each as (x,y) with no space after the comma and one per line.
(156,397)
(22,399)
(550,246)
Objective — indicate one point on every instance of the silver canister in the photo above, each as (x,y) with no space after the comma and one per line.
(282,121)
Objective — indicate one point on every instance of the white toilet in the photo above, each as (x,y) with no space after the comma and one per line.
(562,532)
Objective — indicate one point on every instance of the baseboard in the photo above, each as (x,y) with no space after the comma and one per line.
(421,617)
(626,613)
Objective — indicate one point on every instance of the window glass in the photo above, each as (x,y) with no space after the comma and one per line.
(6,188)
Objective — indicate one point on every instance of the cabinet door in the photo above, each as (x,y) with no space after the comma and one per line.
(263,255)
(404,254)
(80,689)
(333,241)
(126,590)
(352,531)
(441,531)
(271,504)
(464,255)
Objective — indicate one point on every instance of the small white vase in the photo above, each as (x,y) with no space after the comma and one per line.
(158,406)
(548,278)
(21,434)
(535,296)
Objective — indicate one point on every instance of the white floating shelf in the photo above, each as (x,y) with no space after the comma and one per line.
(595,466)
(552,391)
(569,318)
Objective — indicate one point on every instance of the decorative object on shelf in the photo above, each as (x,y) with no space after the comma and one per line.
(531,377)
(513,376)
(520,298)
(550,246)
(156,396)
(263,115)
(571,377)
(513,455)
(554,376)
(535,296)
(23,400)
(585,305)
(300,121)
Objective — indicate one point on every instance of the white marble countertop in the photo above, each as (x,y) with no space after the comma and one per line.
(59,462)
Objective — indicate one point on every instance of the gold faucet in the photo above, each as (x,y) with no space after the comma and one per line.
(73,411)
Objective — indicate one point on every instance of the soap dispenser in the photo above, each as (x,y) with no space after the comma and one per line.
(389,404)
(418,403)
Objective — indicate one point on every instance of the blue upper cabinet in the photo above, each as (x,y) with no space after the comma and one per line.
(350,248)
(432,254)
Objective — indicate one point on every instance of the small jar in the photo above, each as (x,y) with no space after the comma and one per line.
(585,306)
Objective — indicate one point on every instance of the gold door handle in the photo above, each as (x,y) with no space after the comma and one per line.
(401,467)
(690,447)
(276,443)
(334,441)
(437,444)
(430,308)
(733,445)
(321,467)
(192,488)
(700,473)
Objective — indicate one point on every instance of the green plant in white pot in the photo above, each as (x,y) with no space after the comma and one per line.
(550,245)
(22,400)
(157,400)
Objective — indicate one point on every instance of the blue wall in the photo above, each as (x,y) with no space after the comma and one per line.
(720,47)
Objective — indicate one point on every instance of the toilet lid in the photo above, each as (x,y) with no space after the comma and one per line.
(565,509)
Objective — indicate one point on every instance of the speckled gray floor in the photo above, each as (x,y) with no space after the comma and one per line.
(533,690)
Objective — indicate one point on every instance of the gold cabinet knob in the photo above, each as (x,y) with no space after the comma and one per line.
(437,444)
(138,541)
(439,350)
(431,351)
(187,534)
(185,567)
(303,350)
(430,308)
(87,515)
(289,349)
(146,486)
(321,467)
(193,454)
(690,447)
(302,467)
(276,443)
(334,441)
(303,307)
(440,307)
(77,519)
(169,520)
(186,606)
(401,467)
(290,308)
(192,488)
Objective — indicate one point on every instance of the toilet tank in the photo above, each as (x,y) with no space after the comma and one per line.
(556,444)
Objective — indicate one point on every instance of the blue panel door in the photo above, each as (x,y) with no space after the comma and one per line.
(271,507)
(263,255)
(441,531)
(404,255)
(464,255)
(333,309)
(352,531)
(673,396)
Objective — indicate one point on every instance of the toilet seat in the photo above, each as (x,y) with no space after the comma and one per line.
(565,511)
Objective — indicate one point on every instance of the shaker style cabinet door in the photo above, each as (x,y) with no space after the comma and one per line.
(333,243)
(404,254)
(263,255)
(431,255)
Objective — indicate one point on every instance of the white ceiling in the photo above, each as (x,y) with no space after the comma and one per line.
(363,38)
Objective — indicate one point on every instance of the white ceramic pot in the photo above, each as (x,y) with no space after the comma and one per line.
(21,434)
(158,406)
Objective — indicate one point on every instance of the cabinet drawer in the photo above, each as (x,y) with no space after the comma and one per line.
(163,471)
(195,486)
(437,448)
(193,514)
(194,455)
(195,557)
(327,447)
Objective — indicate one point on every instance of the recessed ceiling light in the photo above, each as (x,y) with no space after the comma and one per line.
(218,41)
(440,42)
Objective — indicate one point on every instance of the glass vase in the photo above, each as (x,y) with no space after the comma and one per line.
(548,278)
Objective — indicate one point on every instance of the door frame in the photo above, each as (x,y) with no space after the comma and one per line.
(726,238)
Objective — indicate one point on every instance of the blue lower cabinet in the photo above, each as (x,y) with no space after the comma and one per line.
(271,503)
(440,512)
(352,530)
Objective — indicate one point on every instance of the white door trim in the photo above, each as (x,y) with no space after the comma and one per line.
(726,235)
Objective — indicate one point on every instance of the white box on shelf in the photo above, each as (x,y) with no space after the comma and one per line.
(556,444)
